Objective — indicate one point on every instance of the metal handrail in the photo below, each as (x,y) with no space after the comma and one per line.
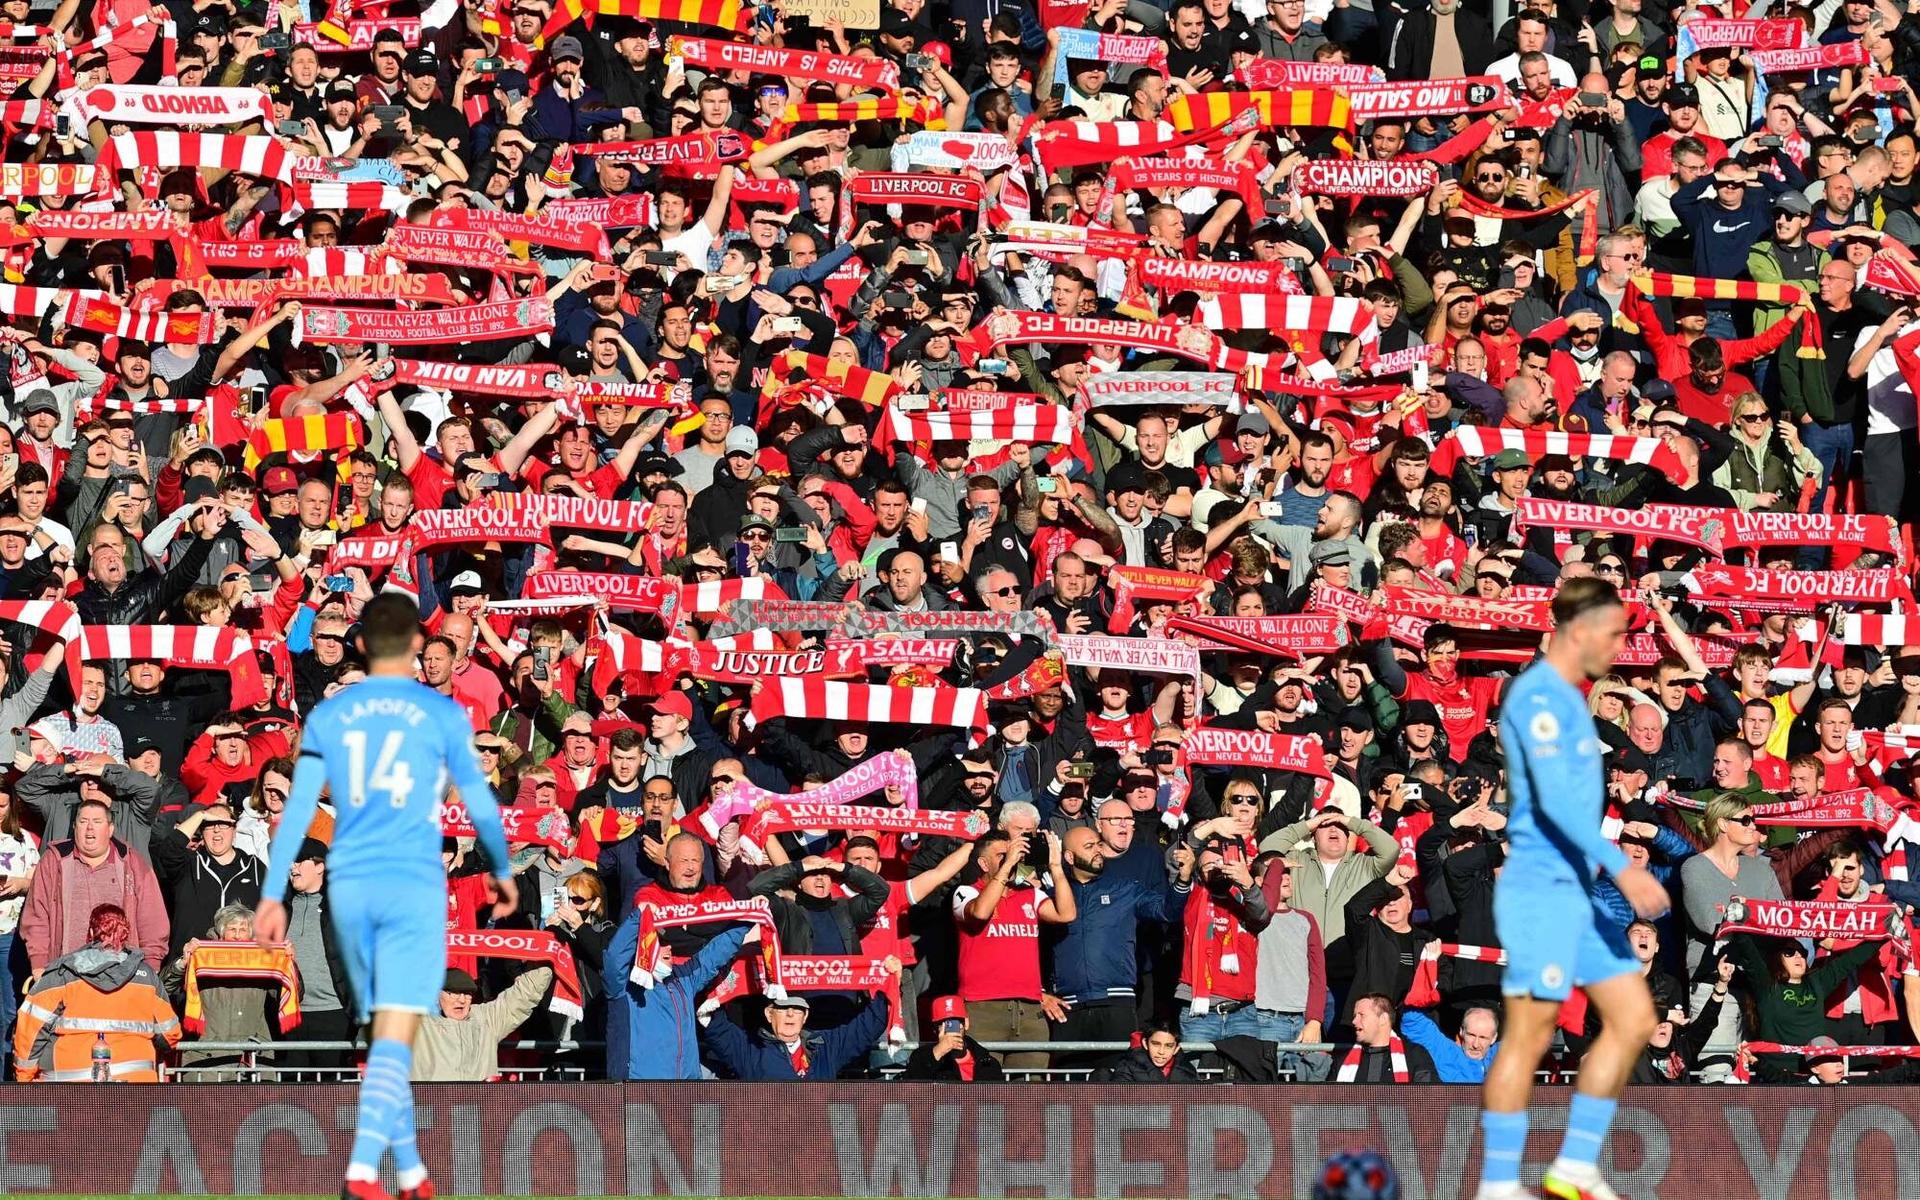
(254,1047)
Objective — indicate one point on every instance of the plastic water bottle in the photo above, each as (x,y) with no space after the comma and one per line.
(102,1059)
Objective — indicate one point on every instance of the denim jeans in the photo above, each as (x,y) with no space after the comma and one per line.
(9,985)
(1281,1027)
(1212,1025)
(1833,445)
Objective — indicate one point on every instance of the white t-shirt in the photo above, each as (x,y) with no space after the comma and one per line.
(1558,69)
(1890,403)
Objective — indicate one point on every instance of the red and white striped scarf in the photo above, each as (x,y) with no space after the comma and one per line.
(55,617)
(143,324)
(1478,441)
(199,646)
(1293,315)
(1396,1049)
(1483,954)
(1878,629)
(834,700)
(712,597)
(337,194)
(1050,423)
(179,404)
(166,149)
(1078,143)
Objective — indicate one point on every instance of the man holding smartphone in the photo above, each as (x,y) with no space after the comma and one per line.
(953,1056)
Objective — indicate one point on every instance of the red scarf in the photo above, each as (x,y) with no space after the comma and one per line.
(527,945)
(1396,1049)
(1210,744)
(1214,935)
(1294,636)
(1589,243)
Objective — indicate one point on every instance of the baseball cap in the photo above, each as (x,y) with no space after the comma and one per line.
(657,464)
(1651,63)
(567,47)
(1683,95)
(1252,422)
(1793,202)
(742,440)
(459,983)
(673,704)
(311,850)
(39,400)
(278,481)
(1511,460)
(466,581)
(949,1008)
(1126,477)
(140,745)
(1224,454)
(422,62)
(754,520)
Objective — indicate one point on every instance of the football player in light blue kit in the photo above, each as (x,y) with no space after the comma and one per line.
(1557,937)
(385,751)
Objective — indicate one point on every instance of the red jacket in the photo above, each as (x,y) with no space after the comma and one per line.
(1875,981)
(207,778)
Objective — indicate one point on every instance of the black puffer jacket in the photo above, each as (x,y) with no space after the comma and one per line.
(1136,1067)
(143,597)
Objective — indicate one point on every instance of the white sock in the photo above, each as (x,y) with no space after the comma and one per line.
(1574,1172)
(411,1178)
(362,1173)
(1499,1191)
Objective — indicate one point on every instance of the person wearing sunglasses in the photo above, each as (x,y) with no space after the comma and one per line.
(1769,463)
(1728,867)
(1728,213)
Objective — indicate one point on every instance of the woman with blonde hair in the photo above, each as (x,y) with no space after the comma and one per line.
(260,815)
(1769,463)
(1730,866)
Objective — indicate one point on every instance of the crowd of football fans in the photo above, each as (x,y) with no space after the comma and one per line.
(1115,891)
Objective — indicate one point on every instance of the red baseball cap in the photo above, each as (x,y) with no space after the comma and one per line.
(673,704)
(278,480)
(949,1008)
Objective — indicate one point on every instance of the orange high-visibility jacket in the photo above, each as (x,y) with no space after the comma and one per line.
(82,995)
